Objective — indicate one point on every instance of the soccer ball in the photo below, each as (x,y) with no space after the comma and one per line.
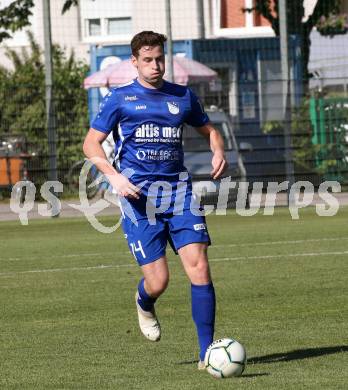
(225,358)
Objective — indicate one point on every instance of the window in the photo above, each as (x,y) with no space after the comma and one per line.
(94,27)
(232,14)
(231,19)
(119,26)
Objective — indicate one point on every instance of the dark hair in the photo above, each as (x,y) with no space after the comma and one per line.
(146,38)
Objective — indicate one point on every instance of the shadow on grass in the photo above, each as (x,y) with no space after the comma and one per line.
(242,376)
(187,362)
(298,354)
(255,375)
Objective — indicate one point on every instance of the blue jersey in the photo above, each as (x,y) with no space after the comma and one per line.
(147,125)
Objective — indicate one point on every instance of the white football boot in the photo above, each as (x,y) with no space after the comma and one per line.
(148,322)
(201,365)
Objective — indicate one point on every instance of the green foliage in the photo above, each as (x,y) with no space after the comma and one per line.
(68,4)
(22,104)
(272,127)
(16,16)
(295,13)
(323,159)
(304,151)
(296,25)
(333,24)
(331,114)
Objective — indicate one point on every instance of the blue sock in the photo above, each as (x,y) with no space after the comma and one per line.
(203,314)
(145,301)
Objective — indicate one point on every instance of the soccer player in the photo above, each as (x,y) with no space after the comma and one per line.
(146,117)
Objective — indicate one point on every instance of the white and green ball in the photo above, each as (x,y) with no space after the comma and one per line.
(225,358)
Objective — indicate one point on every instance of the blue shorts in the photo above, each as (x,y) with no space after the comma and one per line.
(148,241)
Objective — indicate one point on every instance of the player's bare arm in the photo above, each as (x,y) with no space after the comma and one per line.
(93,150)
(216,142)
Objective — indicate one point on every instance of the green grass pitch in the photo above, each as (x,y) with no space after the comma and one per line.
(69,323)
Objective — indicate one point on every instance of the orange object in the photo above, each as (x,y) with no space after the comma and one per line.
(10,170)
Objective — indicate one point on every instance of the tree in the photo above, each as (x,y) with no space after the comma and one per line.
(16,16)
(296,25)
(311,159)
(22,105)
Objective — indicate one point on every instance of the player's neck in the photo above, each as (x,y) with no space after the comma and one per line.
(146,84)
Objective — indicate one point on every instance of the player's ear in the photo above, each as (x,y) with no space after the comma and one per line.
(134,61)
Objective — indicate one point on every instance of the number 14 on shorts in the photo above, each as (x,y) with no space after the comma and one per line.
(138,248)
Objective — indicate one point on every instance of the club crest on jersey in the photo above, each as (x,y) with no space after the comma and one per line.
(173,108)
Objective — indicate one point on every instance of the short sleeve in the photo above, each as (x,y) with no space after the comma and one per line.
(197,117)
(109,114)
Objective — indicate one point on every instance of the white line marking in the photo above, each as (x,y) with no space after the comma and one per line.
(36,271)
(221,259)
(68,256)
(265,257)
(283,242)
(124,253)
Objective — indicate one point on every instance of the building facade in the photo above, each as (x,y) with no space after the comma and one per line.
(105,22)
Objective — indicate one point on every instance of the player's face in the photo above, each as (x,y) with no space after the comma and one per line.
(150,64)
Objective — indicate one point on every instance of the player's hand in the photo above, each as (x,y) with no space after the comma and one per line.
(219,164)
(123,186)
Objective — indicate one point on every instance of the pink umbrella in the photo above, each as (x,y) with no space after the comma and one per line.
(185,71)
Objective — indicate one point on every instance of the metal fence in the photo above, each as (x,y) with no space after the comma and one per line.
(249,89)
